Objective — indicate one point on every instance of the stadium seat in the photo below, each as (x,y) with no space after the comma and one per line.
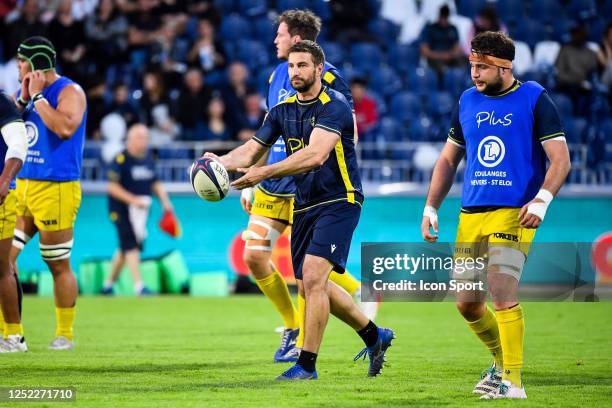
(282,5)
(334,53)
(404,57)
(381,104)
(544,10)
(583,9)
(264,30)
(366,57)
(440,105)
(422,81)
(575,129)
(389,130)
(385,30)
(510,10)
(252,53)
(529,31)
(234,27)
(226,6)
(456,80)
(252,8)
(606,130)
(545,54)
(385,81)
(421,129)
(470,8)
(405,106)
(321,9)
(523,60)
(564,105)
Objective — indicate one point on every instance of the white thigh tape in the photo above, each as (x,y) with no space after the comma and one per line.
(20,239)
(271,235)
(509,261)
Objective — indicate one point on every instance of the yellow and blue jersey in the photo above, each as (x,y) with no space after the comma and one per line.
(503,136)
(338,178)
(8,114)
(51,158)
(279,89)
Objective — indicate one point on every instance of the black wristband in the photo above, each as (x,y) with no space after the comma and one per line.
(38,97)
(21,102)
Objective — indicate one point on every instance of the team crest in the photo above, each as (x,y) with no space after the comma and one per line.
(32,133)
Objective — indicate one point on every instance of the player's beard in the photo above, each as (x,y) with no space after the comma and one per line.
(494,87)
(307,83)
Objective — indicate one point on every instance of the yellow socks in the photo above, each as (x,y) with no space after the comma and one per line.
(346,281)
(486,328)
(1,321)
(13,328)
(511,331)
(301,314)
(275,289)
(64,317)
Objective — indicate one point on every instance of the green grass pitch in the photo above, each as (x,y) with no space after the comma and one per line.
(188,352)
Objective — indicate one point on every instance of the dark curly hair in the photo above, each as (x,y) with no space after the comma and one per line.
(304,23)
(312,48)
(494,43)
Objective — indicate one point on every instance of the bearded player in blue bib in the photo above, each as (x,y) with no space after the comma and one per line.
(270,204)
(54,110)
(317,127)
(505,129)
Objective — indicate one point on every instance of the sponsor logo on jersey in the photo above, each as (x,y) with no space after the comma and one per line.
(491,151)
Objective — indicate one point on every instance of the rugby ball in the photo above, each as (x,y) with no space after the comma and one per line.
(209,179)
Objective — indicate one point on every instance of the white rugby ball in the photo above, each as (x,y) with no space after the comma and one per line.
(209,179)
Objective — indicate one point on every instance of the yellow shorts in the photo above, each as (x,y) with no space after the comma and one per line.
(270,206)
(478,231)
(53,205)
(8,215)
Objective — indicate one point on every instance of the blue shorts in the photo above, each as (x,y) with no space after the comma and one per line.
(326,231)
(125,232)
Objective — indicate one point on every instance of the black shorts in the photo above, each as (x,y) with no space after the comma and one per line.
(126,234)
(326,231)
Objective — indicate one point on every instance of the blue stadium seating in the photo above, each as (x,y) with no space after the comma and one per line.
(234,28)
(575,129)
(456,80)
(440,105)
(421,129)
(282,5)
(385,30)
(510,10)
(381,104)
(252,53)
(544,10)
(606,130)
(422,81)
(530,31)
(405,106)
(385,81)
(265,31)
(583,9)
(226,6)
(252,8)
(334,53)
(321,9)
(470,8)
(404,57)
(564,105)
(366,57)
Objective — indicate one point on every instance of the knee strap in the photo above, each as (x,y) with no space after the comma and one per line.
(20,239)
(57,251)
(260,236)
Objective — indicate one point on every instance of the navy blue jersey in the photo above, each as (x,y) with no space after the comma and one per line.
(503,136)
(279,89)
(133,174)
(8,114)
(338,178)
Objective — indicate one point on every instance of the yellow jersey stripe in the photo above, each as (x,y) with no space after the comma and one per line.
(336,131)
(274,194)
(325,202)
(552,135)
(261,142)
(350,190)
